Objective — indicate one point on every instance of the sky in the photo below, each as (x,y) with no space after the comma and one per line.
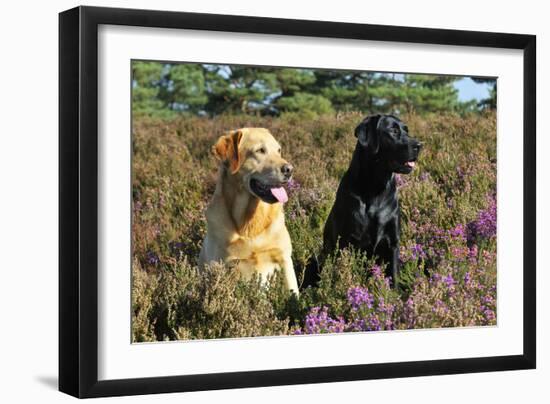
(470,90)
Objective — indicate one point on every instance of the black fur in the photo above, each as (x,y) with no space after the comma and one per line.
(365,214)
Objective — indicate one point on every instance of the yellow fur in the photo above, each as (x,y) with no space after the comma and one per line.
(240,226)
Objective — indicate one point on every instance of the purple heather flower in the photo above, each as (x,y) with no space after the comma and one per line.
(293,185)
(152,258)
(472,254)
(417,252)
(381,302)
(175,245)
(461,174)
(440,306)
(376,271)
(386,308)
(176,248)
(373,323)
(458,232)
(460,253)
(436,278)
(449,281)
(357,325)
(400,181)
(489,315)
(410,303)
(358,297)
(485,225)
(137,206)
(488,299)
(318,321)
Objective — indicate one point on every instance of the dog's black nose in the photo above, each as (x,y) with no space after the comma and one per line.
(287,170)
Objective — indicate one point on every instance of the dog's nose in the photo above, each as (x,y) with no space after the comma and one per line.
(287,170)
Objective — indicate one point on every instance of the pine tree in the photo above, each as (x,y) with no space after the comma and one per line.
(491,101)
(167,89)
(183,88)
(146,79)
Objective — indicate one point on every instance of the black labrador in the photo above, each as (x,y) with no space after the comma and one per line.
(365,214)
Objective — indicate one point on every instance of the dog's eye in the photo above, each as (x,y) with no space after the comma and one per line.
(279,151)
(394,131)
(261,150)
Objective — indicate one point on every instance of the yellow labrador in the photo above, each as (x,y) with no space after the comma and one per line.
(245,220)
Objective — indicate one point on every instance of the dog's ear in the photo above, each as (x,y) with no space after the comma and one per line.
(226,149)
(367,133)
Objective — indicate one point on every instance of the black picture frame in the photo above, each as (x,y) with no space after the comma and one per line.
(78,201)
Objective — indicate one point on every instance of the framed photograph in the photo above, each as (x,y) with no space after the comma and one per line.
(251,201)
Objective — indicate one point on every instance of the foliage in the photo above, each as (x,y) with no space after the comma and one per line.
(167,90)
(491,101)
(448,248)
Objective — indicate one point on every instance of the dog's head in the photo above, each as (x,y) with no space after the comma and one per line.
(253,156)
(386,138)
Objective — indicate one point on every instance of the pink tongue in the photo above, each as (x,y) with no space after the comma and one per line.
(280,194)
(411,164)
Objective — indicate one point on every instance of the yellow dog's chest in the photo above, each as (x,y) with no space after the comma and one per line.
(255,256)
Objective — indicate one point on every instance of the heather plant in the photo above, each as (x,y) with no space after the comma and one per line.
(208,303)
(448,237)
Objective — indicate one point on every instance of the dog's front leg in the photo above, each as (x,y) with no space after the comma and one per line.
(394,266)
(290,276)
